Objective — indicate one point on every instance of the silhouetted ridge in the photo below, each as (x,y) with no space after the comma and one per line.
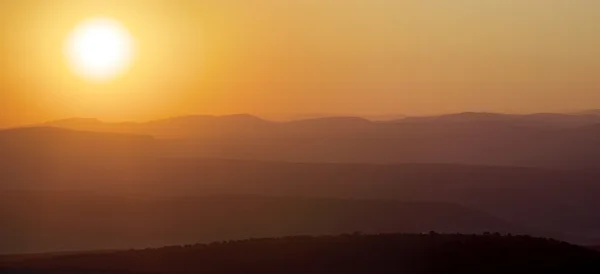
(334,121)
(190,120)
(75,122)
(388,253)
(534,140)
(459,117)
(56,132)
(590,112)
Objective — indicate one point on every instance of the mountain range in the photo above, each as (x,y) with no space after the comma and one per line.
(558,141)
(50,159)
(490,172)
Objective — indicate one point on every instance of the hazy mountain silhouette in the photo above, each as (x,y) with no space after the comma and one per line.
(540,120)
(389,253)
(55,159)
(590,112)
(238,125)
(535,140)
(63,221)
(546,200)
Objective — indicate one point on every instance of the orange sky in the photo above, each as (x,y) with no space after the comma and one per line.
(307,56)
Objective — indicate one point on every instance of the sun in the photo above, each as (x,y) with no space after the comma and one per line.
(100,49)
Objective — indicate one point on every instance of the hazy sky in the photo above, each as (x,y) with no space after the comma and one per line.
(307,56)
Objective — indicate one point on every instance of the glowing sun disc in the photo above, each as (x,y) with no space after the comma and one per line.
(99,49)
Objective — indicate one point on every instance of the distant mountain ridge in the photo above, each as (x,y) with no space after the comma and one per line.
(555,119)
(246,125)
(565,141)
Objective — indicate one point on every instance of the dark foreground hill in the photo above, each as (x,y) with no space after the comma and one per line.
(393,253)
(48,222)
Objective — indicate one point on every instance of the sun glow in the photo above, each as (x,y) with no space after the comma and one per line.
(100,49)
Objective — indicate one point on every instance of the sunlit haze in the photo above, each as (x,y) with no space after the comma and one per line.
(299,136)
(99,49)
(276,57)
